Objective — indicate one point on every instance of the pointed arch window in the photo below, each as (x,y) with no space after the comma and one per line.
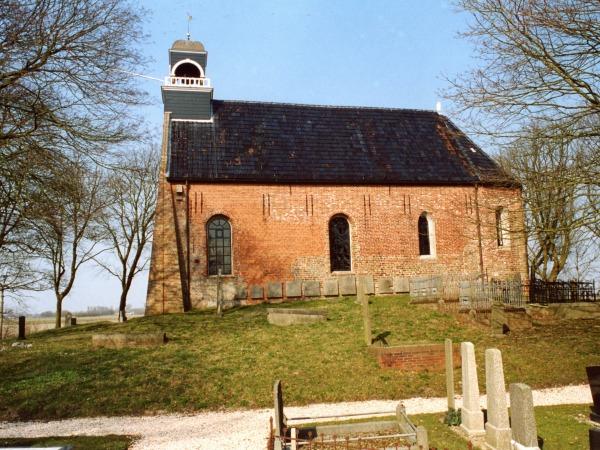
(426,232)
(219,245)
(339,244)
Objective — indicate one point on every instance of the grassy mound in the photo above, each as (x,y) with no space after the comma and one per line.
(231,362)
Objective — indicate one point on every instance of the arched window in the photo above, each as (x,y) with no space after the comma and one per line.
(426,230)
(219,245)
(339,244)
(501,227)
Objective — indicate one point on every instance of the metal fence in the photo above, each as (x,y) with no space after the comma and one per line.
(546,292)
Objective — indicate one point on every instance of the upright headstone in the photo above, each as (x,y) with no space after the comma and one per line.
(522,418)
(279,418)
(67,320)
(449,374)
(21,327)
(593,374)
(471,414)
(422,439)
(73,321)
(364,301)
(497,428)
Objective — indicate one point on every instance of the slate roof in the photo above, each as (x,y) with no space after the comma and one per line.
(289,143)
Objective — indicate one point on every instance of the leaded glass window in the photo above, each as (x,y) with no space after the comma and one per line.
(219,246)
(339,244)
(423,226)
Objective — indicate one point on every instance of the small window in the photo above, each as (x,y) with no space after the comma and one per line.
(339,244)
(424,247)
(219,246)
(501,227)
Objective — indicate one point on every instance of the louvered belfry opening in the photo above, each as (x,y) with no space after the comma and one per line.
(423,226)
(339,244)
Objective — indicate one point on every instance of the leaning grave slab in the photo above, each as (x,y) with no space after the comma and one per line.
(400,434)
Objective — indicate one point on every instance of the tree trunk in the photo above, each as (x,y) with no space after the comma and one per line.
(122,305)
(58,322)
(1,314)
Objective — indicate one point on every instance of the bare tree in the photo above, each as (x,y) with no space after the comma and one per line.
(63,72)
(65,222)
(556,210)
(539,64)
(129,217)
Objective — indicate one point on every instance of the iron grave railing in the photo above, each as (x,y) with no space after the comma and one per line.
(546,292)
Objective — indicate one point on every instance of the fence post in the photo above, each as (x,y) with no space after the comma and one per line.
(21,327)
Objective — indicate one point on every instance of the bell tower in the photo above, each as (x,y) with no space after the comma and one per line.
(187,93)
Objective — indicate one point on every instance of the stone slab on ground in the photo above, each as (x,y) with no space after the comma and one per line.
(347,284)
(294,316)
(330,288)
(257,292)
(385,285)
(311,289)
(361,427)
(293,289)
(126,340)
(274,289)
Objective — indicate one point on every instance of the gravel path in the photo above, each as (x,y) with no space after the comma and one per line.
(237,430)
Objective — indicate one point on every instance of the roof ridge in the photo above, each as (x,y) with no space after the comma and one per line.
(311,105)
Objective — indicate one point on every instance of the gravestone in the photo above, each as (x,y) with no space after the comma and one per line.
(279,419)
(522,418)
(593,374)
(367,282)
(471,414)
(241,293)
(385,285)
(67,321)
(311,289)
(594,434)
(464,292)
(330,288)
(347,284)
(497,428)
(73,321)
(293,289)
(275,290)
(406,426)
(401,285)
(449,373)
(256,292)
(422,439)
(364,302)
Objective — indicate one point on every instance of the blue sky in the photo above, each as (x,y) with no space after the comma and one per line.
(388,53)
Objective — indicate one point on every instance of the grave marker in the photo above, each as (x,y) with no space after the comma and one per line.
(471,414)
(21,327)
(497,428)
(593,374)
(449,374)
(364,301)
(522,418)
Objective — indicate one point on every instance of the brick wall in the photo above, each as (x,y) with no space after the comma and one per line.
(414,357)
(280,232)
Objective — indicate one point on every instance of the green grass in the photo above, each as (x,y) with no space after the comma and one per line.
(78,442)
(231,362)
(562,428)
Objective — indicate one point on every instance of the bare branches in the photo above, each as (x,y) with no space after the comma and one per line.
(128,218)
(540,64)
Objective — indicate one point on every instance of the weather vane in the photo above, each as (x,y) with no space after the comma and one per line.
(189,19)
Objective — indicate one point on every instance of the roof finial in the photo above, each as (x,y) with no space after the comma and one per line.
(189,19)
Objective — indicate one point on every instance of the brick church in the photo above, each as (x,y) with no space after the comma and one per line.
(262,201)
